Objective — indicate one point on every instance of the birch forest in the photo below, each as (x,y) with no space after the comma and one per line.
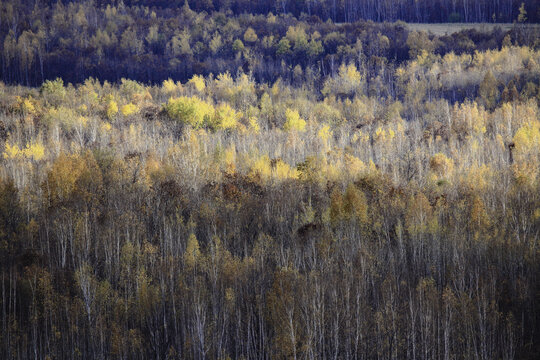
(303,179)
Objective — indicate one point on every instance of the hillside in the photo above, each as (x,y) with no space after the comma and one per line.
(179,184)
(79,40)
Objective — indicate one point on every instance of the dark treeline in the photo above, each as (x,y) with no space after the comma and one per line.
(75,41)
(423,11)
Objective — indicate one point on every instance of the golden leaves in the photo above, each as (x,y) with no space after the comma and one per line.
(225,118)
(32,151)
(111,109)
(170,87)
(198,83)
(129,109)
(189,110)
(193,253)
(293,121)
(441,165)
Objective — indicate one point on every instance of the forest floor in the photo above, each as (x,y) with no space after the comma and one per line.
(450,28)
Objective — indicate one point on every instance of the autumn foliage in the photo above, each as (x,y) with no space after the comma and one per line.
(225,217)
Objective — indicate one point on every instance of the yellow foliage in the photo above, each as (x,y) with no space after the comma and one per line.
(293,121)
(478,216)
(348,81)
(477,178)
(351,206)
(469,118)
(32,151)
(336,206)
(193,253)
(12,152)
(198,83)
(513,115)
(327,112)
(250,35)
(332,170)
(26,106)
(525,174)
(225,118)
(527,140)
(261,170)
(129,109)
(193,142)
(384,135)
(65,117)
(155,171)
(229,296)
(500,142)
(190,110)
(106,127)
(254,125)
(441,165)
(372,166)
(153,165)
(282,171)
(35,151)
(418,214)
(355,205)
(224,83)
(135,134)
(324,133)
(67,171)
(82,121)
(359,136)
(312,170)
(276,88)
(170,87)
(230,159)
(536,214)
(112,109)
(354,165)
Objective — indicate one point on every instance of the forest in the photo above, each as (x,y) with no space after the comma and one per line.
(416,11)
(78,40)
(236,180)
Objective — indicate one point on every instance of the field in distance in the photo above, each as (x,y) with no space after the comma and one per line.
(450,28)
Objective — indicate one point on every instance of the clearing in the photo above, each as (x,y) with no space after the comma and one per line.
(450,28)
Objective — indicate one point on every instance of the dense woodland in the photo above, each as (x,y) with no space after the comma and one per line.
(265,187)
(78,40)
(424,11)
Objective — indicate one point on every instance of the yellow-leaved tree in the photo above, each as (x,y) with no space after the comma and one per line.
(190,110)
(293,121)
(33,151)
(73,177)
(441,165)
(170,87)
(419,217)
(129,109)
(260,170)
(355,206)
(193,253)
(325,134)
(527,140)
(225,118)
(111,109)
(527,149)
(197,82)
(348,82)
